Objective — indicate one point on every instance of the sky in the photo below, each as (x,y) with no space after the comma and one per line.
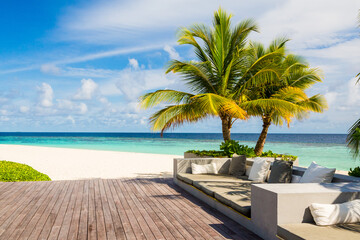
(82,65)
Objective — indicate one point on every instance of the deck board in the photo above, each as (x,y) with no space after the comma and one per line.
(128,208)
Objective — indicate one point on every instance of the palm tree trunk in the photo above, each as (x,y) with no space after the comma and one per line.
(226,127)
(262,138)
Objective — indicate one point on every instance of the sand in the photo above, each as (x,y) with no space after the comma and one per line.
(72,164)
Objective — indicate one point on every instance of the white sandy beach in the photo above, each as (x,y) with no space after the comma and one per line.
(71,164)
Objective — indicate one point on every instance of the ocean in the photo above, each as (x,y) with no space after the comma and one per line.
(326,149)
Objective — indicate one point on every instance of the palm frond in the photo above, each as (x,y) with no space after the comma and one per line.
(163,96)
(176,115)
(353,138)
(214,104)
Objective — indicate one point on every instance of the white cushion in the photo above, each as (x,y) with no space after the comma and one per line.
(329,214)
(295,178)
(259,170)
(204,169)
(317,174)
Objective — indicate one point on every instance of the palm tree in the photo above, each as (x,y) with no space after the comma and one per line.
(281,96)
(353,137)
(221,56)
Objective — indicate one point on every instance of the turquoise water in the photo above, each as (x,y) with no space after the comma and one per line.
(328,150)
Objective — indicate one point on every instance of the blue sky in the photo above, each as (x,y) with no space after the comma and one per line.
(81,65)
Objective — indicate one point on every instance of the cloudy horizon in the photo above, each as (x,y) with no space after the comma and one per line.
(81,65)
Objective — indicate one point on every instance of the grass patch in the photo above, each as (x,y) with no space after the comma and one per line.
(17,172)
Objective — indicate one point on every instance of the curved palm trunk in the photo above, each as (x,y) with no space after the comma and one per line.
(226,127)
(262,138)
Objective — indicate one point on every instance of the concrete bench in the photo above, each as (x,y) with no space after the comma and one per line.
(269,210)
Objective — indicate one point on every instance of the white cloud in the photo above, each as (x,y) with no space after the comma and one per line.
(134,82)
(87,90)
(50,68)
(24,109)
(46,95)
(105,22)
(310,23)
(353,93)
(83,108)
(134,63)
(331,97)
(173,54)
(71,119)
(68,105)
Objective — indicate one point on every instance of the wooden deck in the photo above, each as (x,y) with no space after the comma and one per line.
(141,208)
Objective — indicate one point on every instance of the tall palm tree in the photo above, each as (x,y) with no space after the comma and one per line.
(221,56)
(282,96)
(353,137)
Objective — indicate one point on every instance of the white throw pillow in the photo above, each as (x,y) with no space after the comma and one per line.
(329,214)
(317,174)
(204,169)
(295,178)
(259,170)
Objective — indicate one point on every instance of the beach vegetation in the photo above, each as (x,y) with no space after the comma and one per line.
(354,172)
(220,57)
(17,172)
(231,147)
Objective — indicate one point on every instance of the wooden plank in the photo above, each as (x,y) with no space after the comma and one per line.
(121,212)
(84,213)
(52,216)
(18,206)
(75,220)
(100,222)
(202,223)
(143,199)
(138,211)
(183,229)
(117,223)
(109,224)
(39,217)
(58,221)
(92,215)
(110,209)
(161,216)
(19,224)
(10,201)
(69,211)
(122,194)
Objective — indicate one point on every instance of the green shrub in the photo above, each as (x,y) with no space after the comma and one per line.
(355,172)
(210,153)
(17,172)
(230,147)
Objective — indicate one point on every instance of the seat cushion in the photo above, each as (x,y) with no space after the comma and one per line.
(236,195)
(190,178)
(311,231)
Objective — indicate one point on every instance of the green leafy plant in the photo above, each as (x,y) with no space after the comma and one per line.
(17,172)
(210,153)
(355,172)
(230,147)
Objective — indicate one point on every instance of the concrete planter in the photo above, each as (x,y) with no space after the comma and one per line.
(193,155)
(249,160)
